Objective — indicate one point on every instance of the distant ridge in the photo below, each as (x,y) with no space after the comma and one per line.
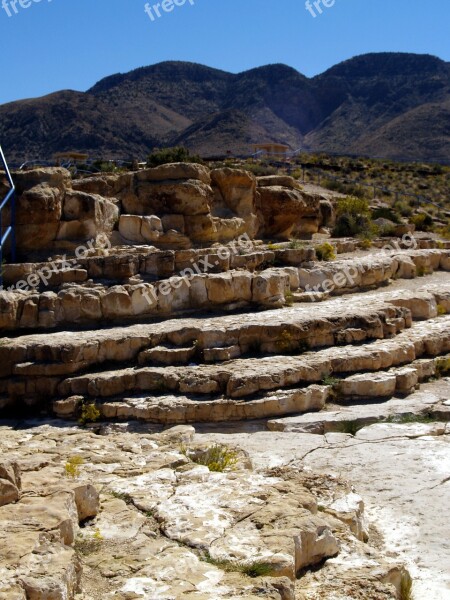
(394,105)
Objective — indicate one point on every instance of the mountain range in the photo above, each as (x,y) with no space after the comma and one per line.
(393,105)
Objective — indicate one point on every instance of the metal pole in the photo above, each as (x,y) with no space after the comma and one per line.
(12,215)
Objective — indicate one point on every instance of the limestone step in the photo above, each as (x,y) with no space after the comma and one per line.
(36,368)
(166,356)
(87,303)
(174,409)
(275,331)
(243,377)
(369,271)
(420,407)
(178,408)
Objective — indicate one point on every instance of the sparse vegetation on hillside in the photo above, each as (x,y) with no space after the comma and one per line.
(411,191)
(171,155)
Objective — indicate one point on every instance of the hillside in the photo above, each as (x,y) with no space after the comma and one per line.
(392,105)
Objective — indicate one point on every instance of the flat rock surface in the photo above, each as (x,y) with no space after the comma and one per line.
(401,470)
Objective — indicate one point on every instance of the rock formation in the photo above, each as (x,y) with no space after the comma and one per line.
(157,299)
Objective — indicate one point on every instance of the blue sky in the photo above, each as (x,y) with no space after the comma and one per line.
(71,44)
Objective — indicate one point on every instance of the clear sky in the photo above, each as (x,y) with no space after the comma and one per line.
(71,44)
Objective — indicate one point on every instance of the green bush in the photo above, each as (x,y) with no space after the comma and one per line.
(325,251)
(89,413)
(386,213)
(72,466)
(217,458)
(260,170)
(422,222)
(345,188)
(172,155)
(353,217)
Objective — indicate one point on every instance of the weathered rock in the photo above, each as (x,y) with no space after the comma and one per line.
(369,385)
(286,210)
(10,482)
(176,171)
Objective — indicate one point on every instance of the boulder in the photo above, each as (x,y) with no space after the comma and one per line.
(10,482)
(38,216)
(286,210)
(87,501)
(187,197)
(176,171)
(279,180)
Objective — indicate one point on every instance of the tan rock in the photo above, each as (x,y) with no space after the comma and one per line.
(176,171)
(130,228)
(187,197)
(369,385)
(87,501)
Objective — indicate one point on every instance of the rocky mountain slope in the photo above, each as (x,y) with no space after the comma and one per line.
(393,105)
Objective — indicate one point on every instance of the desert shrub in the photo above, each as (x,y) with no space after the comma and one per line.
(329,380)
(385,213)
(72,466)
(349,427)
(403,208)
(297,173)
(386,230)
(445,232)
(260,170)
(345,188)
(422,222)
(296,244)
(289,297)
(171,155)
(325,251)
(442,366)
(217,458)
(88,545)
(406,588)
(352,217)
(89,413)
(102,167)
(441,310)
(365,243)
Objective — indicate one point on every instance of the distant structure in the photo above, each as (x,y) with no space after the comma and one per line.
(272,150)
(63,157)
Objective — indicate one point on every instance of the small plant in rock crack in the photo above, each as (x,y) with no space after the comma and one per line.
(251,569)
(330,380)
(441,310)
(350,427)
(296,244)
(89,413)
(409,418)
(217,458)
(442,366)
(72,466)
(86,545)
(122,496)
(289,297)
(406,588)
(422,271)
(287,344)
